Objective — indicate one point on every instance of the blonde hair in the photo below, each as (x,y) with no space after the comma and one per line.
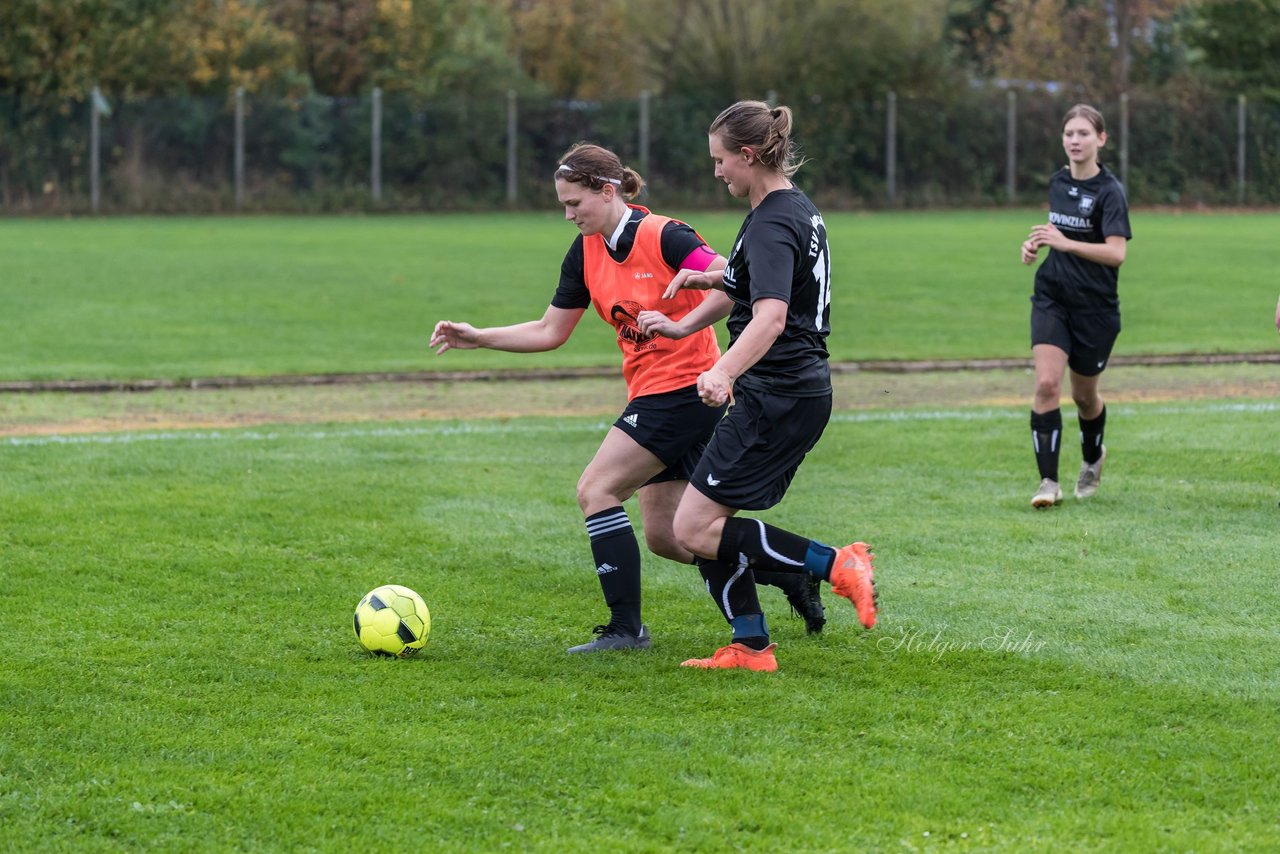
(764,129)
(593,166)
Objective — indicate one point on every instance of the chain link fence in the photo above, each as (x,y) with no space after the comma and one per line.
(990,147)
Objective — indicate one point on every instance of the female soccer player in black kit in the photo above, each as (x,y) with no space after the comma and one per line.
(777,294)
(1075,312)
(620,262)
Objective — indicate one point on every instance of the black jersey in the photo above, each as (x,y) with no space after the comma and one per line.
(678,242)
(1089,211)
(781,253)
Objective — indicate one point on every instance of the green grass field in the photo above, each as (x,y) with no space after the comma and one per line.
(134,298)
(180,671)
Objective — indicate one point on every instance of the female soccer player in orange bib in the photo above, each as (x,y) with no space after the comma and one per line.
(621,263)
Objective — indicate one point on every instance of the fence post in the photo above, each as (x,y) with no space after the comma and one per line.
(1124,139)
(1241,108)
(238,161)
(375,146)
(891,149)
(511,147)
(1011,147)
(644,132)
(95,139)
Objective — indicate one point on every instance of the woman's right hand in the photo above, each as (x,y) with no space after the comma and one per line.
(714,387)
(1030,247)
(451,335)
(694,281)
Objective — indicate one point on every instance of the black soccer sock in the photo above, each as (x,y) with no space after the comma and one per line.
(617,556)
(818,560)
(1046,431)
(784,581)
(762,546)
(733,588)
(716,574)
(1091,436)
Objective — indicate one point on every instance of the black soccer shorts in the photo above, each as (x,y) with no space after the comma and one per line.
(1086,337)
(758,446)
(674,426)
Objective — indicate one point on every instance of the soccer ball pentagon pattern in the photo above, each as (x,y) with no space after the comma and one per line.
(392,620)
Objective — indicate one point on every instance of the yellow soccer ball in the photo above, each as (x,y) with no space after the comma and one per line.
(392,620)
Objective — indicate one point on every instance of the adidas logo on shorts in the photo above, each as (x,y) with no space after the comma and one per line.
(631,419)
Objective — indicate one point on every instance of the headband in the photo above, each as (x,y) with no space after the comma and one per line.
(565,167)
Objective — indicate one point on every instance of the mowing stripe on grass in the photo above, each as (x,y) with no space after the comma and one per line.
(313,435)
(992,414)
(533,427)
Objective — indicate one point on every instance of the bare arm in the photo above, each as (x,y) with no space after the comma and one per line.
(711,278)
(768,319)
(714,308)
(533,336)
(1111,253)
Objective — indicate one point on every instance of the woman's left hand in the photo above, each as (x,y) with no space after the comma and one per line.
(1048,235)
(656,323)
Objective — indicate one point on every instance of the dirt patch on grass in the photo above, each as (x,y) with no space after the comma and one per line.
(58,413)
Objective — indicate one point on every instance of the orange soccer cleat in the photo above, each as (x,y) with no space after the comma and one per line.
(737,655)
(852,578)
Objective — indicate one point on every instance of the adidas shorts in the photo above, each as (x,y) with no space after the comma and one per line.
(758,447)
(1086,337)
(674,426)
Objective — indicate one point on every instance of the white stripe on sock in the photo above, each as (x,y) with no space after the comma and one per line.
(724,594)
(764,543)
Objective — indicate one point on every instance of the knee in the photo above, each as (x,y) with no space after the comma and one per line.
(686,534)
(591,496)
(664,544)
(696,538)
(1048,389)
(1085,401)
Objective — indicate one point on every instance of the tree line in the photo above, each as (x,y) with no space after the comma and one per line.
(170,71)
(57,50)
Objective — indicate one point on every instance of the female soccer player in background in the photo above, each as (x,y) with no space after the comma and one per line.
(778,284)
(621,262)
(1075,310)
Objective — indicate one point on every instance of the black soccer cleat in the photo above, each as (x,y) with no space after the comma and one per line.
(803,592)
(611,638)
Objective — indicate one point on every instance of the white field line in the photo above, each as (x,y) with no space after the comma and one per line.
(546,425)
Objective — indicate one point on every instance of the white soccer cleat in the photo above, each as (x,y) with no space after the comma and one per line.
(1090,476)
(1047,495)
